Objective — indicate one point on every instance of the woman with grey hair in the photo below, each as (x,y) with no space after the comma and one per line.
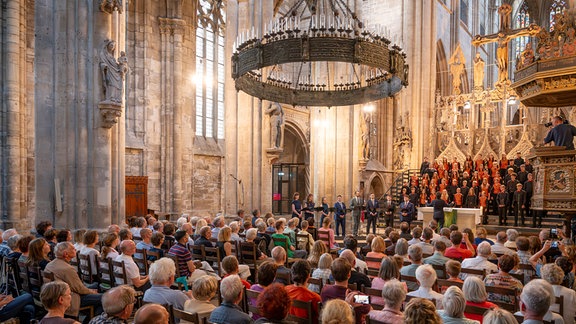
(512,236)
(554,275)
(499,316)
(475,294)
(454,305)
(393,293)
(322,272)
(401,249)
(388,271)
(56,298)
(203,290)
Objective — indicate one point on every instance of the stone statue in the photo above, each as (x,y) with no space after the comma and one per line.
(526,57)
(113,72)
(276,125)
(456,69)
(478,71)
(505,11)
(365,135)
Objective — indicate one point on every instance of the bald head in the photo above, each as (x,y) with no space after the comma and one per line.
(128,247)
(349,255)
(151,314)
(279,255)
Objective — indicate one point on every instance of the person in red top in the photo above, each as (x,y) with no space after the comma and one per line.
(455,252)
(298,291)
(458,198)
(483,202)
(230,266)
(476,295)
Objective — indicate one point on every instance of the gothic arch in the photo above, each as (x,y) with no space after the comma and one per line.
(442,76)
(377,186)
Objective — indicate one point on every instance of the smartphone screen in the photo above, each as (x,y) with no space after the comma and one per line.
(362,299)
(554,244)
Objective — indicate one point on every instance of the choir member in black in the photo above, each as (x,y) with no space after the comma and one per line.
(413,196)
(372,214)
(471,199)
(308,207)
(325,210)
(438,204)
(296,206)
(389,207)
(529,167)
(522,175)
(452,189)
(501,201)
(518,201)
(529,188)
(424,166)
(518,161)
(340,216)
(464,190)
(511,187)
(408,210)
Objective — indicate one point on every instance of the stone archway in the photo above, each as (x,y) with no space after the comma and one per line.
(377,187)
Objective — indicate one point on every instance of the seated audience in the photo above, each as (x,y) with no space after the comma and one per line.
(405,231)
(145,243)
(251,235)
(388,271)
(426,277)
(290,249)
(416,236)
(438,257)
(156,240)
(481,236)
(91,238)
(327,230)
(5,250)
(118,304)
(140,283)
(266,275)
(225,247)
(274,304)
(393,294)
(476,295)
(299,291)
(231,267)
(503,279)
(23,246)
(305,244)
(535,301)
(337,311)
(455,251)
(151,314)
(55,297)
(454,305)
(351,244)
(512,236)
(231,289)
(279,257)
(65,235)
(415,256)
(318,249)
(393,237)
(378,247)
(356,277)
(203,289)
(322,272)
(426,244)
(421,310)
(162,274)
(401,249)
(499,316)
(111,241)
(63,271)
(554,275)
(445,237)
(79,239)
(480,262)
(498,247)
(38,253)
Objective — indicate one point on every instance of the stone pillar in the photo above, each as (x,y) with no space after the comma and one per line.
(12,167)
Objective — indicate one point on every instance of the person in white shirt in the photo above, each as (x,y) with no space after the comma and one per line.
(235,229)
(535,301)
(433,225)
(416,235)
(425,245)
(480,262)
(90,240)
(128,248)
(145,244)
(498,247)
(426,276)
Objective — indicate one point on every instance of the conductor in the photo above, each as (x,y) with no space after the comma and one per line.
(561,133)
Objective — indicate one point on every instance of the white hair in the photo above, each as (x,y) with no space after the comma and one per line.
(474,289)
(512,234)
(454,302)
(234,226)
(8,234)
(484,249)
(251,234)
(426,275)
(162,270)
(181,221)
(231,288)
(393,293)
(536,296)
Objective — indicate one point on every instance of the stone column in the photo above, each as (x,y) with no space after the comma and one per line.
(11,111)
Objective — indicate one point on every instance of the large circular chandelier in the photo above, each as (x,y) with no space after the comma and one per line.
(318,53)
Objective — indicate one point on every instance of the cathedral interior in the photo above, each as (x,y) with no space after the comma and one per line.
(116,108)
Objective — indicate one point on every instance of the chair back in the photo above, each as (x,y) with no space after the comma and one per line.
(213,257)
(120,276)
(35,280)
(324,236)
(197,252)
(284,276)
(440,270)
(477,272)
(475,310)
(409,279)
(106,274)
(86,270)
(47,276)
(440,283)
(316,281)
(141,260)
(373,321)
(152,256)
(23,275)
(251,297)
(303,305)
(303,241)
(185,316)
(371,260)
(373,293)
(504,291)
(12,273)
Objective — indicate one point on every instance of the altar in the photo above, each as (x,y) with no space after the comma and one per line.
(465,217)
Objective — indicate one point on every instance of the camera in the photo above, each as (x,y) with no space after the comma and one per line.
(553,233)
(362,299)
(554,244)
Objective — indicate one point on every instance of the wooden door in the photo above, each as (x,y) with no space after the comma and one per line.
(136,196)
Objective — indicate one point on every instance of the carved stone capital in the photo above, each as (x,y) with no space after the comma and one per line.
(108,6)
(171,26)
(110,112)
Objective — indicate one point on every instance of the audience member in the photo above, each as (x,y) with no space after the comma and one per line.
(402,249)
(5,250)
(231,289)
(503,278)
(111,241)
(322,272)
(337,311)
(274,304)
(279,257)
(118,304)
(290,249)
(351,244)
(455,251)
(91,238)
(454,305)
(498,247)
(426,277)
(535,301)
(356,277)
(140,283)
(151,314)
(444,237)
(162,274)
(38,253)
(481,236)
(204,289)
(299,291)
(480,262)
(378,248)
(230,266)
(554,275)
(476,295)
(512,235)
(421,310)
(415,256)
(499,316)
(393,294)
(318,248)
(56,298)
(388,271)
(426,244)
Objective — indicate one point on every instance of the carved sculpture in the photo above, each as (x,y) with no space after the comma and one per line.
(113,72)
(478,71)
(109,6)
(526,57)
(365,135)
(276,125)
(457,62)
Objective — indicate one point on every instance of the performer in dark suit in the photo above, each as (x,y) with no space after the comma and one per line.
(372,209)
(529,188)
(501,200)
(389,207)
(357,205)
(438,204)
(519,203)
(340,216)
(410,210)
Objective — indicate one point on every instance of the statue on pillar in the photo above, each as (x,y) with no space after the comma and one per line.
(457,62)
(113,72)
(276,125)
(478,72)
(365,135)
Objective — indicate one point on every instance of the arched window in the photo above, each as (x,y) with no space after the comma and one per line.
(522,20)
(557,7)
(209,77)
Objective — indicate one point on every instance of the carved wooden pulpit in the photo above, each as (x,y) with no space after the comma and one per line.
(554,181)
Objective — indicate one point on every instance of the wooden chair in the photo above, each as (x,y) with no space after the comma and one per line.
(213,257)
(248,255)
(369,260)
(140,258)
(197,252)
(23,275)
(251,297)
(518,276)
(504,291)
(283,242)
(303,242)
(353,286)
(47,276)
(408,298)
(106,274)
(372,273)
(476,272)
(305,305)
(440,270)
(152,256)
(373,321)
(119,273)
(13,276)
(316,281)
(75,262)
(35,281)
(325,237)
(475,310)
(284,276)
(87,274)
(407,263)
(185,316)
(447,283)
(373,293)
(409,279)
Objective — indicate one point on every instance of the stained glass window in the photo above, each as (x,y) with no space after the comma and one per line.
(464,11)
(209,76)
(557,7)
